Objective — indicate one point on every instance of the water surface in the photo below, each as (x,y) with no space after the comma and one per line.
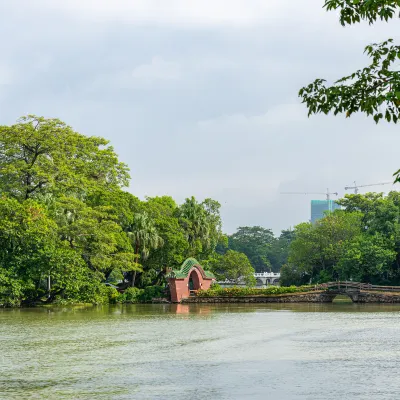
(310,351)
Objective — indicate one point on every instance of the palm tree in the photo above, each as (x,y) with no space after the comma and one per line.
(195,222)
(144,237)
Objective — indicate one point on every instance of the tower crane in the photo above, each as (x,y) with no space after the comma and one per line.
(327,193)
(355,187)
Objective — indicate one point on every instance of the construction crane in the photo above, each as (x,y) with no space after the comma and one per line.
(327,193)
(355,187)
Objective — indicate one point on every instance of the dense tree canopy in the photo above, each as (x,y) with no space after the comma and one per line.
(265,251)
(234,267)
(361,242)
(67,226)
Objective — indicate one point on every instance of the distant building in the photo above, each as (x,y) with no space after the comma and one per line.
(320,207)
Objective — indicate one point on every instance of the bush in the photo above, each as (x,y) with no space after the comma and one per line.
(130,295)
(91,293)
(246,291)
(215,286)
(151,292)
(136,295)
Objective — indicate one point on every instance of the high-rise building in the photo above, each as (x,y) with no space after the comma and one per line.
(320,207)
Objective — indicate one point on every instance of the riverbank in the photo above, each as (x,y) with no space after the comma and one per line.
(319,296)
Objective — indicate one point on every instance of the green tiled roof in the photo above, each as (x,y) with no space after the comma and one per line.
(183,272)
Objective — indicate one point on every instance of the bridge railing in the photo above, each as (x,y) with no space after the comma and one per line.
(355,285)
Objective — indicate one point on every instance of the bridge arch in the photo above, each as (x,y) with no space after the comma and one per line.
(186,280)
(344,295)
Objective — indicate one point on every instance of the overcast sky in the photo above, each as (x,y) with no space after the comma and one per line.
(199,97)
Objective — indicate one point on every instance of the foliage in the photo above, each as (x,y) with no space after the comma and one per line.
(373,90)
(136,295)
(201,223)
(264,250)
(152,292)
(41,156)
(234,267)
(67,226)
(144,237)
(130,295)
(361,243)
(246,291)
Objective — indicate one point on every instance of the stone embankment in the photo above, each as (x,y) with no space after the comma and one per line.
(310,297)
(376,297)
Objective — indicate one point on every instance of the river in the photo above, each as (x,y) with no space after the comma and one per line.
(310,351)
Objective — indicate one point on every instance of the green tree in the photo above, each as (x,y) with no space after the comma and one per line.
(39,156)
(144,237)
(96,236)
(367,258)
(256,243)
(163,213)
(202,225)
(74,182)
(235,267)
(317,249)
(279,251)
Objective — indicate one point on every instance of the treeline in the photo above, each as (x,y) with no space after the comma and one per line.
(67,226)
(70,232)
(265,251)
(359,243)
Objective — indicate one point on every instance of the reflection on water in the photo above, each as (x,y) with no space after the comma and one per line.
(220,351)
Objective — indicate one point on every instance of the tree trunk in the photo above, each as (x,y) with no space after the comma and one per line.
(48,286)
(137,259)
(133,278)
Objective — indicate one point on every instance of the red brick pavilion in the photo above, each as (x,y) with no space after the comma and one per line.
(186,281)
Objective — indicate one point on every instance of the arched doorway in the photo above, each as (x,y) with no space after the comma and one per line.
(194,281)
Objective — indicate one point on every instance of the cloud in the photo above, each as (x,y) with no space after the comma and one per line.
(276,115)
(7,75)
(236,12)
(200,96)
(157,69)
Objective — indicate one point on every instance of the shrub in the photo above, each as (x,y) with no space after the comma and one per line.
(130,295)
(246,291)
(215,286)
(151,292)
(136,295)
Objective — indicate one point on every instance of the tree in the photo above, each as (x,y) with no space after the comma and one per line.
(144,237)
(279,251)
(39,156)
(67,226)
(163,213)
(317,249)
(202,225)
(256,243)
(373,90)
(368,258)
(68,188)
(93,233)
(235,267)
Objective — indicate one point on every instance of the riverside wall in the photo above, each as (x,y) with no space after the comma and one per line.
(312,297)
(287,298)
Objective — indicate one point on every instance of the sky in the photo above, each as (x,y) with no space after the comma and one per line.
(199,97)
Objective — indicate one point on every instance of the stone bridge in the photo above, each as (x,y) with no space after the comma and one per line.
(267,278)
(357,292)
